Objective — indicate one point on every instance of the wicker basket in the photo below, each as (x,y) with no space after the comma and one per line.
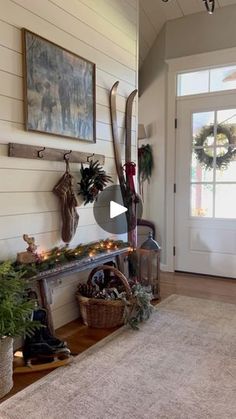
(103,313)
(6,365)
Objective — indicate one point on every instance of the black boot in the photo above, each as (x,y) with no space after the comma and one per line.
(42,345)
(43,352)
(43,334)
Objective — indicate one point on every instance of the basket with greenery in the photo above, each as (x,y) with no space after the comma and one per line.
(106,305)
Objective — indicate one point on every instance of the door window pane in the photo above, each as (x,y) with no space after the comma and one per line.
(203,121)
(226,137)
(227,117)
(213,161)
(193,83)
(198,172)
(223,78)
(227,173)
(225,202)
(204,81)
(202,200)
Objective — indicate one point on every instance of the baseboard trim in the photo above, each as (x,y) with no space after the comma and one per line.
(166,268)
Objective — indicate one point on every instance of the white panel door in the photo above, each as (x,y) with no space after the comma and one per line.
(205,200)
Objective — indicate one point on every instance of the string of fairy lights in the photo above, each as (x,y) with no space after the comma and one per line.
(61,255)
(82,250)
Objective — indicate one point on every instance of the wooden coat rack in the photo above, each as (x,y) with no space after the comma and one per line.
(54,154)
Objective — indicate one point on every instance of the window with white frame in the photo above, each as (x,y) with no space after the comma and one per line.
(213,167)
(205,81)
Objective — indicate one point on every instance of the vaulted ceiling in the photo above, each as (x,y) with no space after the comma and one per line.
(154,13)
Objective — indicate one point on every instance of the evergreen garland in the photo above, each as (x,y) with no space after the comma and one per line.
(145,164)
(204,158)
(58,256)
(93,180)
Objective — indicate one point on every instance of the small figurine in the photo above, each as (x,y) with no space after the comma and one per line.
(31,242)
(30,256)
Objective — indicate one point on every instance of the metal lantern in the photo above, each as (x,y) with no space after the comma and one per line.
(149,265)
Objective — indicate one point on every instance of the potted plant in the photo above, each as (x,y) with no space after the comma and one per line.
(15,320)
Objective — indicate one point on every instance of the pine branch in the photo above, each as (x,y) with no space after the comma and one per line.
(93,180)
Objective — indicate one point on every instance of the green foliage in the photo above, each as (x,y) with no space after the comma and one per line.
(145,163)
(58,256)
(93,180)
(15,309)
(6,268)
(141,308)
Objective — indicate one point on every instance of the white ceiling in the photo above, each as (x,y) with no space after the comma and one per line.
(154,13)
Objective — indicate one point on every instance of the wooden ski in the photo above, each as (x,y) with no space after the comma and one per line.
(130,169)
(126,182)
(116,143)
(128,125)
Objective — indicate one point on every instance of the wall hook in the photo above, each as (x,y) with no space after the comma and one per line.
(52,154)
(67,155)
(40,156)
(89,157)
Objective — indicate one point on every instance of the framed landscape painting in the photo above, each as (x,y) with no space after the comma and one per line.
(59,90)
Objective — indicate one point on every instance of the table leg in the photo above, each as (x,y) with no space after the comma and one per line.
(46,298)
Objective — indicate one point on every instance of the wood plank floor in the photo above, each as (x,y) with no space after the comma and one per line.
(80,337)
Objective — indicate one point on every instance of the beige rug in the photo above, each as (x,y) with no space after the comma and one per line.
(180,365)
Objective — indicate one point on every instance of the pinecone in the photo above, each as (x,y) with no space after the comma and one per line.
(86,290)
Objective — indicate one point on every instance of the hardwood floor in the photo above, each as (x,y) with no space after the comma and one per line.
(80,337)
(212,288)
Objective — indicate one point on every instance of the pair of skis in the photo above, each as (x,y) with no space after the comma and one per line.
(126,179)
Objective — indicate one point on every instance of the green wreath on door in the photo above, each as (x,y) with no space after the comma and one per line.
(206,159)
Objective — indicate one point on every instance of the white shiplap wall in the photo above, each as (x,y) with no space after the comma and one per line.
(104,32)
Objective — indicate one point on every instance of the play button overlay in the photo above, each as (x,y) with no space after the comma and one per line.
(110,212)
(116,209)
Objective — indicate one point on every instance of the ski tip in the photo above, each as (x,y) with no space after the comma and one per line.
(115,86)
(132,95)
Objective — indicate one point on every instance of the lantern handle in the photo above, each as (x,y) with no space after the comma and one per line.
(146,223)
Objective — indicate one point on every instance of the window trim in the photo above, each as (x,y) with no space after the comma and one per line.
(195,62)
(209,69)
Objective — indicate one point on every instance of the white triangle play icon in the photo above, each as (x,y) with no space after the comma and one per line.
(116,209)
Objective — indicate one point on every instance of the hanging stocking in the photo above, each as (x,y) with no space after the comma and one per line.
(64,190)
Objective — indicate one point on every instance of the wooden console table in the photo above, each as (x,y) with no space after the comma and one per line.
(43,278)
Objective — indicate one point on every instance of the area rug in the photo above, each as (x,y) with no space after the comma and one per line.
(181,364)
